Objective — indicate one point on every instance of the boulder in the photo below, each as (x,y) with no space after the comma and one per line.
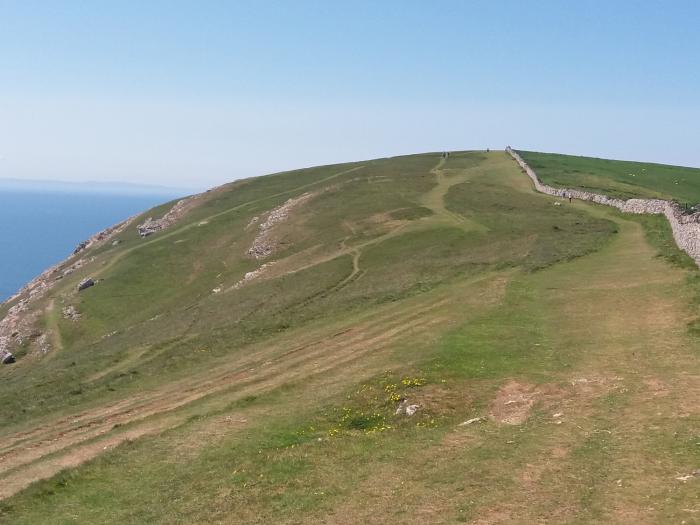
(85,283)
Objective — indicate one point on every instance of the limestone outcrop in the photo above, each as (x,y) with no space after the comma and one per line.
(265,244)
(685,227)
(104,235)
(151,225)
(18,325)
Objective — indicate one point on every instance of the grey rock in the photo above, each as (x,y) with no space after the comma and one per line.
(85,283)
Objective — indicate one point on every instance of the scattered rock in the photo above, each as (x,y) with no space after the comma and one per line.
(693,474)
(405,408)
(80,247)
(85,283)
(6,358)
(264,245)
(43,343)
(473,420)
(103,236)
(17,326)
(70,312)
(249,276)
(151,225)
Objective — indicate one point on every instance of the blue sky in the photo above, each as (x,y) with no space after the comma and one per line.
(199,93)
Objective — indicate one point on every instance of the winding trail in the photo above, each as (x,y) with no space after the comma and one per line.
(613,433)
(627,381)
(173,231)
(67,442)
(330,353)
(435,198)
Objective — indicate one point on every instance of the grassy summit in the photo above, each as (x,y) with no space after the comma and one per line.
(202,384)
(617,178)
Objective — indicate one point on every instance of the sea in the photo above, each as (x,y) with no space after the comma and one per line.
(41,228)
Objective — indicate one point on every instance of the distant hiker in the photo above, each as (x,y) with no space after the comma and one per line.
(569,198)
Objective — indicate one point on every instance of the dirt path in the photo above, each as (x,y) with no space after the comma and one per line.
(52,316)
(39,453)
(435,198)
(174,231)
(609,438)
(69,441)
(606,436)
(610,452)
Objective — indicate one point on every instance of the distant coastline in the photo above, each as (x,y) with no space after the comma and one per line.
(92,187)
(42,226)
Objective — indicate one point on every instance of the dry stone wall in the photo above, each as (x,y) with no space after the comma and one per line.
(686,228)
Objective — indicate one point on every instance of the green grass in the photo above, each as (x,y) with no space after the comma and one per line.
(617,178)
(158,296)
(406,279)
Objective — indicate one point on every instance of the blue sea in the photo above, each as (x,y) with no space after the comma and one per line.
(39,229)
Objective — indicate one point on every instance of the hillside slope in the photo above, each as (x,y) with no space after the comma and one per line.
(257,359)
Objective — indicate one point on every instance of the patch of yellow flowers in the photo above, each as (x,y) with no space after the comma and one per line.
(394,392)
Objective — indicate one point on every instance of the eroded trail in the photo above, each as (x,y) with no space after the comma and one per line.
(435,198)
(592,416)
(67,442)
(635,389)
(609,437)
(330,352)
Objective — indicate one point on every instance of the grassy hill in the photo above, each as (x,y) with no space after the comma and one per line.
(550,354)
(617,178)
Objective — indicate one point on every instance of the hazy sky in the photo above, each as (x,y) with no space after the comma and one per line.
(199,93)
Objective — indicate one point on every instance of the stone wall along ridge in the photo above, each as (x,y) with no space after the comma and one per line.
(685,227)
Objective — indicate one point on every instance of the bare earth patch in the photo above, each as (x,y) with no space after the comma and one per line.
(514,402)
